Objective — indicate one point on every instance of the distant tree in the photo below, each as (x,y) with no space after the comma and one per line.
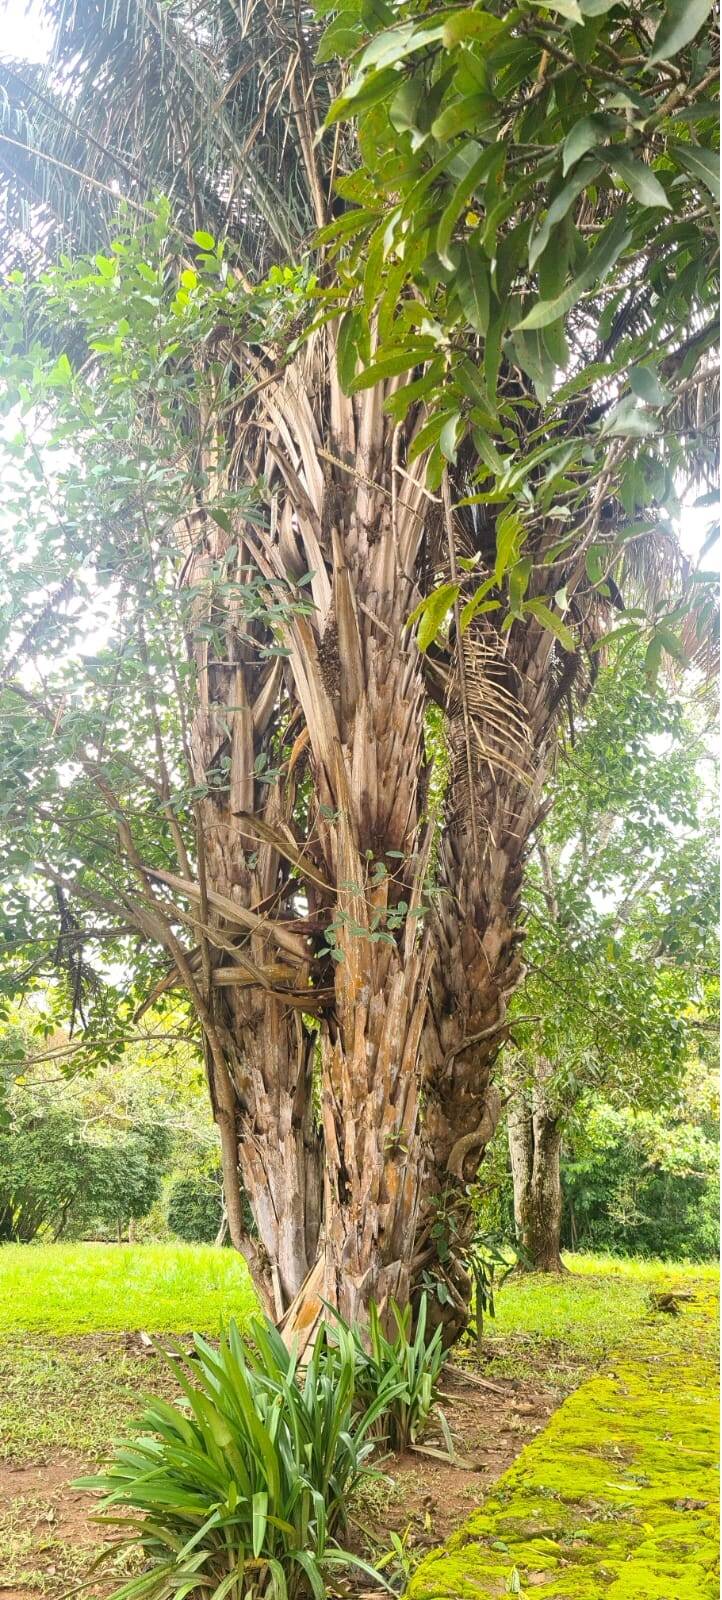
(645,1182)
(60,1178)
(621,934)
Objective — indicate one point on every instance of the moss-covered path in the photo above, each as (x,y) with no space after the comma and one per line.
(616,1500)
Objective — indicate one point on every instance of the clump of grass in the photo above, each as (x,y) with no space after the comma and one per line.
(411,1366)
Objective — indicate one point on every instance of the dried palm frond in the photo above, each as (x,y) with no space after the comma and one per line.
(141,99)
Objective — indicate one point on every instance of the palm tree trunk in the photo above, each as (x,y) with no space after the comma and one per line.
(259,1050)
(499,750)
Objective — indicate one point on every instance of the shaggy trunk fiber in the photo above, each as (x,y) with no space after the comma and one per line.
(498,739)
(535,1142)
(335,1216)
(368,772)
(259,1050)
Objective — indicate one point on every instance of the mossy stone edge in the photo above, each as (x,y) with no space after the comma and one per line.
(617,1498)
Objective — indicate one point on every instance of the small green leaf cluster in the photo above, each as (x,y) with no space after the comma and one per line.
(242,1487)
(407,1367)
(383,924)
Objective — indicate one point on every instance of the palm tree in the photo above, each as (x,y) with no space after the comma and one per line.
(223,110)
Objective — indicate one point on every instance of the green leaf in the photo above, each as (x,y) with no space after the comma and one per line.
(700,163)
(594,562)
(653,659)
(205,241)
(643,183)
(472,287)
(585,134)
(469,25)
(259,1506)
(61,374)
(549,618)
(484,164)
(628,421)
(448,436)
(430,613)
(363,92)
(672,643)
(221,518)
(476,608)
(508,529)
(472,112)
(347,349)
(519,583)
(429,434)
(682,20)
(645,383)
(391,365)
(341,38)
(601,258)
(584,175)
(395,44)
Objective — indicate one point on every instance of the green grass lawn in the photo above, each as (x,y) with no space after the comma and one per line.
(98,1288)
(561,1324)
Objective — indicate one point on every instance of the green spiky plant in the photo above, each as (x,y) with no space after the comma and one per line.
(240,1489)
(403,1369)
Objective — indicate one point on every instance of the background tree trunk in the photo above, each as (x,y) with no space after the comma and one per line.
(535,1142)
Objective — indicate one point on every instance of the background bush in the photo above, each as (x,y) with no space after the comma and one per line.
(195,1208)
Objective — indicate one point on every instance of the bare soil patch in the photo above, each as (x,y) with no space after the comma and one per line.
(423,1498)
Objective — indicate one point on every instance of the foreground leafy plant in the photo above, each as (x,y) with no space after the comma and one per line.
(242,1490)
(403,1369)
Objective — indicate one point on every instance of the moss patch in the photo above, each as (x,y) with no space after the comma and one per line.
(616,1500)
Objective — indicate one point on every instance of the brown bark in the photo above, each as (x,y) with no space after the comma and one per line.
(370,770)
(535,1142)
(493,804)
(502,694)
(352,683)
(259,1051)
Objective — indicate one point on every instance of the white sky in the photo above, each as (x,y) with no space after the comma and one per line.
(23,32)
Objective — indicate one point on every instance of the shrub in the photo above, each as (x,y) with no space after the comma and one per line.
(56,1180)
(195,1208)
(407,1368)
(244,1489)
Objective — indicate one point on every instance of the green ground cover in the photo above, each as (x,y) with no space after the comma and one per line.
(97,1288)
(570,1323)
(617,1497)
